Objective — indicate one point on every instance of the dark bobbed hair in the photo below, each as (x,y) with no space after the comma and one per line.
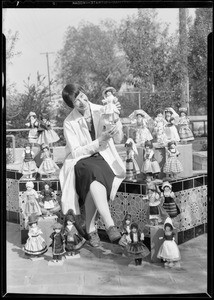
(149,144)
(169,225)
(70,92)
(171,143)
(134,225)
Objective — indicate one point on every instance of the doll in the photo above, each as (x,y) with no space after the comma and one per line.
(33,124)
(170,129)
(125,230)
(169,250)
(172,165)
(161,136)
(142,132)
(109,102)
(57,242)
(48,166)
(49,205)
(46,134)
(159,121)
(155,213)
(132,168)
(73,242)
(136,248)
(184,131)
(28,166)
(150,164)
(30,204)
(150,182)
(169,200)
(35,245)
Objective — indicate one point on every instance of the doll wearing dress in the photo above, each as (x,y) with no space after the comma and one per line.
(136,249)
(57,239)
(159,121)
(125,230)
(169,250)
(109,102)
(170,129)
(35,245)
(47,135)
(28,166)
(48,166)
(150,164)
(142,132)
(173,165)
(169,203)
(30,204)
(132,168)
(33,124)
(184,130)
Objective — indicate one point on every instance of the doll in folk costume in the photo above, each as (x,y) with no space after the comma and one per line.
(33,124)
(35,246)
(150,164)
(47,135)
(30,203)
(171,118)
(172,165)
(155,213)
(169,203)
(57,243)
(28,166)
(73,242)
(109,101)
(132,168)
(161,136)
(169,250)
(142,120)
(125,230)
(136,248)
(184,130)
(48,165)
(159,121)
(48,203)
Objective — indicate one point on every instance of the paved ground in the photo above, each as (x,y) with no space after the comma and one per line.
(105,271)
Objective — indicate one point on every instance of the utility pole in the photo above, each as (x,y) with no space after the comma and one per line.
(47,53)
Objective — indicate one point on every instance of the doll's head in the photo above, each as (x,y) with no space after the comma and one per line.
(33,220)
(159,113)
(183,111)
(31,116)
(109,92)
(168,227)
(149,179)
(148,145)
(171,145)
(69,220)
(168,113)
(127,219)
(44,148)
(29,185)
(134,227)
(47,185)
(28,146)
(57,227)
(128,145)
(166,186)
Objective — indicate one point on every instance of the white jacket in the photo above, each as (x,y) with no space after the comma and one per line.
(80,145)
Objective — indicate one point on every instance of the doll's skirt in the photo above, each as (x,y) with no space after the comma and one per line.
(185,133)
(150,166)
(173,165)
(33,135)
(48,137)
(32,207)
(35,245)
(172,133)
(48,166)
(48,204)
(169,251)
(90,169)
(28,167)
(138,249)
(171,208)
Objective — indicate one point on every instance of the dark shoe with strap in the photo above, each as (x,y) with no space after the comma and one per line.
(94,239)
(113,234)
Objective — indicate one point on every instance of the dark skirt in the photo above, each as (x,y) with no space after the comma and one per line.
(90,169)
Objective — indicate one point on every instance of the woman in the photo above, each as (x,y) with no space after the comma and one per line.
(93,170)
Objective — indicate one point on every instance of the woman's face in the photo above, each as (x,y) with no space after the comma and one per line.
(81,102)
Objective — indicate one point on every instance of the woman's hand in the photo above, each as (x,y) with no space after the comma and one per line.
(106,135)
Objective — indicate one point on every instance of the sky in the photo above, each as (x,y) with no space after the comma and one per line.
(42,30)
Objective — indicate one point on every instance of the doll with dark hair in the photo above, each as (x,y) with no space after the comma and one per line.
(28,166)
(169,250)
(171,118)
(136,248)
(48,165)
(172,165)
(169,203)
(48,202)
(125,230)
(143,134)
(57,243)
(184,130)
(47,135)
(132,168)
(150,164)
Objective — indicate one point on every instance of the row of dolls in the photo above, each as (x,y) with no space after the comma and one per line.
(150,166)
(64,240)
(166,126)
(41,130)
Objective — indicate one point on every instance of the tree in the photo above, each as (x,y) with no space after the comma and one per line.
(90,56)
(197,58)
